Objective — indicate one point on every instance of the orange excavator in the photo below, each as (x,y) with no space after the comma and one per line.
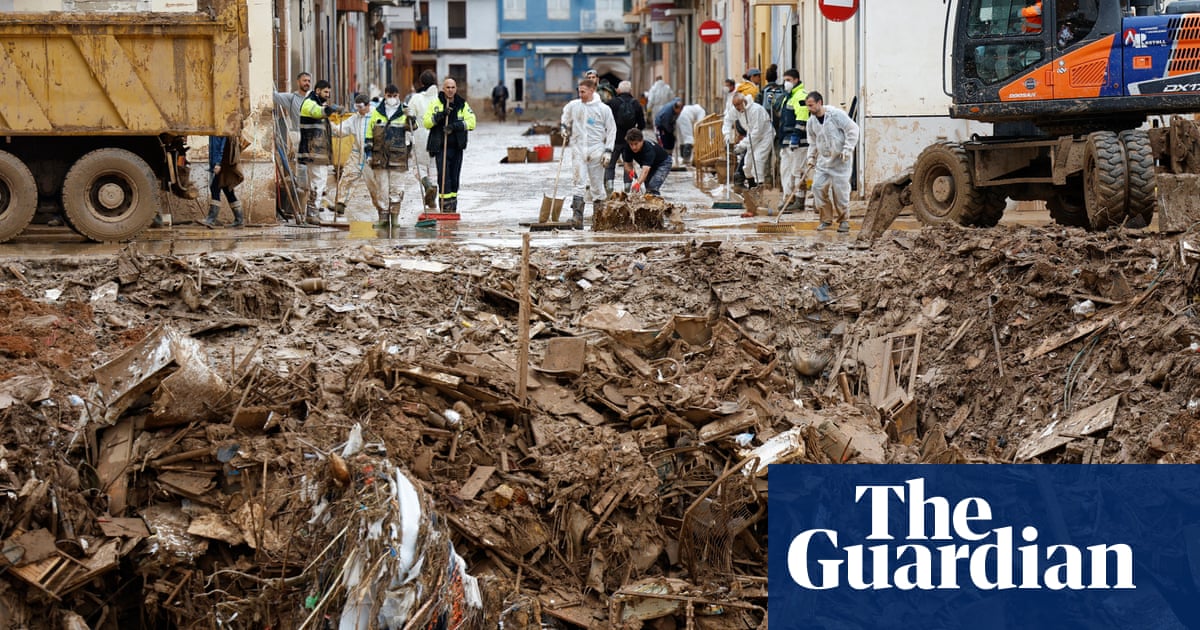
(1070,87)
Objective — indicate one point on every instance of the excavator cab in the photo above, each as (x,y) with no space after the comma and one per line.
(1064,64)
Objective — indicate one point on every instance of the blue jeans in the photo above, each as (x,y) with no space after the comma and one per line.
(657,177)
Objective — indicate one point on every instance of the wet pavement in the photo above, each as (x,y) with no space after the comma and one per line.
(496,201)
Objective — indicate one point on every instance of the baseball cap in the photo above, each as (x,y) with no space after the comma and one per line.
(752,71)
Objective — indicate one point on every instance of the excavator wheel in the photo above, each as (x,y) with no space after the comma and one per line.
(1140,203)
(1068,209)
(1105,180)
(110,195)
(994,203)
(18,196)
(942,192)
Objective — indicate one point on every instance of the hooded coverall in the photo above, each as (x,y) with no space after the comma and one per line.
(593,131)
(831,142)
(356,168)
(756,145)
(417,105)
(685,129)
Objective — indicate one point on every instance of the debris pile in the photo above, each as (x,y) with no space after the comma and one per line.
(638,213)
(294,440)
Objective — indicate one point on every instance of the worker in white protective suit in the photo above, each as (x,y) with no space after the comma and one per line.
(685,129)
(590,130)
(658,95)
(356,168)
(748,127)
(832,137)
(416,107)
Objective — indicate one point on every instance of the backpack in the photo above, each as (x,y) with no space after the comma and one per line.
(625,113)
(773,98)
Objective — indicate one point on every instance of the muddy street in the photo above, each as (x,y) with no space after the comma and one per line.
(496,200)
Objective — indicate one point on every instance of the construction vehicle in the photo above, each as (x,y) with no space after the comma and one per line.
(98,107)
(1069,86)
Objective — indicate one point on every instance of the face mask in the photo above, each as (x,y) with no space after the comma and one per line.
(788,85)
(392,101)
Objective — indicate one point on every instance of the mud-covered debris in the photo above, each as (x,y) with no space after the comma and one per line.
(633,213)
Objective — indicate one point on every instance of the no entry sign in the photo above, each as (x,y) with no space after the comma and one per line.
(838,10)
(710,31)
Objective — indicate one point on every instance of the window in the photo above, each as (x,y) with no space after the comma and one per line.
(558,10)
(994,63)
(514,9)
(456,18)
(458,72)
(558,76)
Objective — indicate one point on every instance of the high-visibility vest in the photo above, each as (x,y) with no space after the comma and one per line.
(314,133)
(392,142)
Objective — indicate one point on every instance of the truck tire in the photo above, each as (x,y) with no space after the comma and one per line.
(1140,203)
(1068,209)
(110,195)
(18,196)
(1105,180)
(941,187)
(994,202)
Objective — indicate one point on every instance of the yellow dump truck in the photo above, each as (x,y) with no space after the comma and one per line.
(97,108)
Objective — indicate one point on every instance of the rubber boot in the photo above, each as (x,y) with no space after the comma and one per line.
(384,217)
(450,206)
(577,213)
(430,192)
(238,218)
(214,208)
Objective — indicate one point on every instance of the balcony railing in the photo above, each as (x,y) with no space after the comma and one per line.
(423,40)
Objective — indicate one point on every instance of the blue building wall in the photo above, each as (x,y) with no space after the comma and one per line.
(537,41)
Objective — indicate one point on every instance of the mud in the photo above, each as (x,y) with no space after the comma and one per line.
(224,486)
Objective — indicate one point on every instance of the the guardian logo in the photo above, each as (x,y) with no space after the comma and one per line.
(948,547)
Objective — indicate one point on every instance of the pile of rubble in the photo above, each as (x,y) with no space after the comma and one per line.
(346,440)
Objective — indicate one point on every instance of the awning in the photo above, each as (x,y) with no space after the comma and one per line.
(611,49)
(615,65)
(555,50)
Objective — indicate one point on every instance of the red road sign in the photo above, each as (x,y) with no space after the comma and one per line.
(387,50)
(711,31)
(838,10)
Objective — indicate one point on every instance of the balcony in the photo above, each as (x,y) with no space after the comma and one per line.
(424,40)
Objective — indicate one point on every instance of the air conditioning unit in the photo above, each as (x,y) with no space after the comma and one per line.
(610,25)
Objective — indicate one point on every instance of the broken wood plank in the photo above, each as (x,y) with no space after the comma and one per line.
(1085,422)
(116,451)
(470,489)
(1059,340)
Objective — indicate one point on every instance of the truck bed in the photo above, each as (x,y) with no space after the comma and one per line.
(81,73)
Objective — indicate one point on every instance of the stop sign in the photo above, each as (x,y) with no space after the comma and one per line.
(838,10)
(387,50)
(710,31)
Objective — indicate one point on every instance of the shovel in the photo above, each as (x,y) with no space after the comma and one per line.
(552,206)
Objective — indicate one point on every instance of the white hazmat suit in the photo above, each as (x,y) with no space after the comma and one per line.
(420,138)
(686,123)
(757,143)
(356,168)
(831,142)
(593,131)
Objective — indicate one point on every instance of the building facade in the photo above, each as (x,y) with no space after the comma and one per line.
(545,46)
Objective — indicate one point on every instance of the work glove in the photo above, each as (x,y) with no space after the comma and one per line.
(439,118)
(459,125)
(632,176)
(606,159)
(637,187)
(847,155)
(565,132)
(812,161)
